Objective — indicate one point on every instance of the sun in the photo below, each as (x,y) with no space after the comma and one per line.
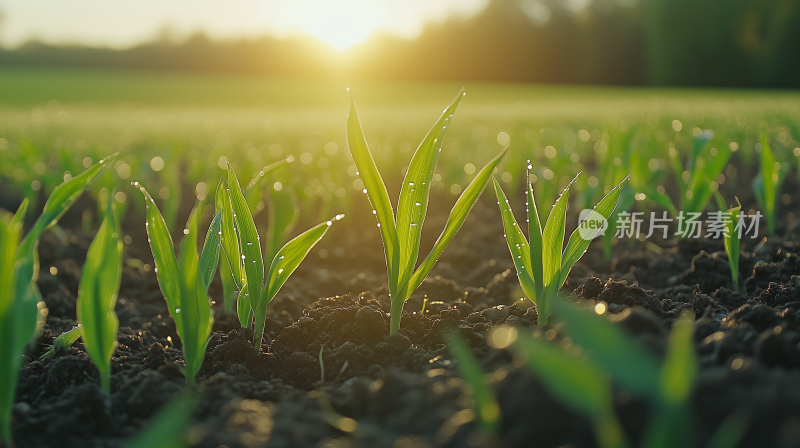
(341,24)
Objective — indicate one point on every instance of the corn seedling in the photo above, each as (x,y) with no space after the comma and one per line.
(767,184)
(63,342)
(184,281)
(170,426)
(732,237)
(696,180)
(484,401)
(583,378)
(541,265)
(22,310)
(97,295)
(401,235)
(283,215)
(241,245)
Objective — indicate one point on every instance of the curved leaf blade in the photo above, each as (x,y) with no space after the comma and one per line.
(517,245)
(412,205)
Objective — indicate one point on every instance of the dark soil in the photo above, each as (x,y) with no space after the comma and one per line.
(404,388)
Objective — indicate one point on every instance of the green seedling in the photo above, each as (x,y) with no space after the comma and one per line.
(487,410)
(283,215)
(22,310)
(767,184)
(608,355)
(401,236)
(732,237)
(63,342)
(184,281)
(168,429)
(542,267)
(241,245)
(97,295)
(696,180)
(576,382)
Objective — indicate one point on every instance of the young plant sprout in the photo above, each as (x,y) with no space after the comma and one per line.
(97,295)
(731,237)
(611,356)
(486,408)
(542,267)
(185,281)
(696,180)
(22,310)
(63,342)
(283,214)
(241,245)
(401,235)
(767,184)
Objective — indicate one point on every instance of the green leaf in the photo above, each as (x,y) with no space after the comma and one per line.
(255,189)
(209,257)
(486,407)
(770,178)
(457,216)
(577,244)
(243,308)
(680,366)
(553,236)
(377,194)
(166,264)
(292,254)
(249,241)
(9,239)
(610,348)
(230,238)
(63,342)
(517,245)
(195,311)
(169,428)
(97,294)
(732,238)
(60,200)
(579,384)
(415,191)
(534,234)
(730,432)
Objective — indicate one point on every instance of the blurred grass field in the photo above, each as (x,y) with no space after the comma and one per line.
(57,120)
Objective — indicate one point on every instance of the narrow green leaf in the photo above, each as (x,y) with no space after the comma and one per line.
(577,244)
(457,216)
(377,194)
(610,348)
(732,238)
(730,432)
(486,407)
(415,191)
(517,245)
(534,234)
(553,236)
(249,241)
(255,189)
(63,342)
(97,294)
(770,177)
(292,254)
(60,200)
(211,250)
(9,239)
(680,366)
(166,264)
(169,428)
(243,308)
(230,237)
(195,311)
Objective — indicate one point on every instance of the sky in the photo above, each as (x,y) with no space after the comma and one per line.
(123,23)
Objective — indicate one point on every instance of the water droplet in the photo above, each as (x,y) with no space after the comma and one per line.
(249,243)
(364,191)
(418,204)
(379,224)
(177,310)
(280,271)
(329,223)
(413,224)
(374,212)
(281,258)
